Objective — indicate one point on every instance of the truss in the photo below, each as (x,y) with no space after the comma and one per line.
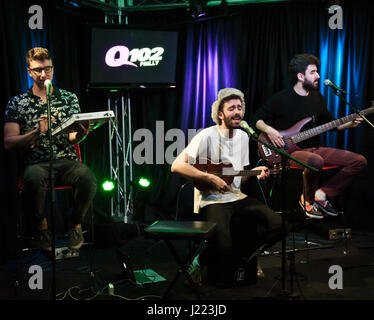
(120,156)
(147,5)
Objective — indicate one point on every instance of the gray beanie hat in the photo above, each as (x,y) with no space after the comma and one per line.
(222,94)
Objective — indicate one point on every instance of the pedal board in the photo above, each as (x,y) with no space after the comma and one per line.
(340,233)
(65,253)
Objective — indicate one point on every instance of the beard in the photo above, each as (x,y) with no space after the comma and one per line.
(308,85)
(229,124)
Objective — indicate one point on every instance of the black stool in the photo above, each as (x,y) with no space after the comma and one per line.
(169,230)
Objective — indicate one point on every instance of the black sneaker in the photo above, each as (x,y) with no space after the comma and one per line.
(75,238)
(326,207)
(312,211)
(42,240)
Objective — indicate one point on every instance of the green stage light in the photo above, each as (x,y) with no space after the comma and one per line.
(108,185)
(144,182)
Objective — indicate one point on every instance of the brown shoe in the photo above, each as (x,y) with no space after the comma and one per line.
(75,238)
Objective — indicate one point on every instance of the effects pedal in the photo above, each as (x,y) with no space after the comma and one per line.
(65,253)
(340,233)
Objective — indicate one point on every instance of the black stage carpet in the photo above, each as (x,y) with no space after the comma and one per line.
(307,275)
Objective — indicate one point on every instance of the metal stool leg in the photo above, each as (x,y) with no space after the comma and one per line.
(182,266)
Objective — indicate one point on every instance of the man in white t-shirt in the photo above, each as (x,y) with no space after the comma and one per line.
(243,224)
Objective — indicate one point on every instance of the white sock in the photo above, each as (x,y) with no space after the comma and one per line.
(320,195)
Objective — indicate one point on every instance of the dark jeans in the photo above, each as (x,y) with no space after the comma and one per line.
(350,164)
(66,173)
(242,227)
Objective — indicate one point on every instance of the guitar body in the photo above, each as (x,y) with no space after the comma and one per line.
(206,165)
(225,171)
(274,158)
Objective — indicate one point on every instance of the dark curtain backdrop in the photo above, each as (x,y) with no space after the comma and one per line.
(254,47)
(210,64)
(247,47)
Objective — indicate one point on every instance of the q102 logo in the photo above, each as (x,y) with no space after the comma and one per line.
(121,55)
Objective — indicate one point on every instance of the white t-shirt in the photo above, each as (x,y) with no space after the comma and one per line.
(211,143)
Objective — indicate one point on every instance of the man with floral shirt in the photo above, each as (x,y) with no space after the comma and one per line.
(26,129)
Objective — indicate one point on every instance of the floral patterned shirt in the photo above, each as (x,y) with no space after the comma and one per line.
(26,108)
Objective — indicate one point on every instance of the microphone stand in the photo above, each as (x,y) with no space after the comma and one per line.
(52,192)
(284,292)
(339,94)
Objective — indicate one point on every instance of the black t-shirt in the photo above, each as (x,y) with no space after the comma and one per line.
(286,108)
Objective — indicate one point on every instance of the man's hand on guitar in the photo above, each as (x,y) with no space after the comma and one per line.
(218,183)
(351,124)
(275,137)
(356,122)
(264,172)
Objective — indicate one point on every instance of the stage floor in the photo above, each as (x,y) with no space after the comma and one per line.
(310,279)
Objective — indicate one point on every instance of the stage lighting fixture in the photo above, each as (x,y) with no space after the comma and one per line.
(144,182)
(108,185)
(197,8)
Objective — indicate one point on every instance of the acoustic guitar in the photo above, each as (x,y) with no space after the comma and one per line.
(222,170)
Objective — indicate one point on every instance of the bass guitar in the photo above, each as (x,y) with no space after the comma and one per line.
(292,136)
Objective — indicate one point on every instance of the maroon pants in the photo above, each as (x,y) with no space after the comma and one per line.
(350,164)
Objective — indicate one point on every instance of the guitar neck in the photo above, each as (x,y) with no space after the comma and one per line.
(239,173)
(301,136)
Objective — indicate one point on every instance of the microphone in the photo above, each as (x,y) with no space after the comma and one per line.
(47,84)
(329,83)
(244,125)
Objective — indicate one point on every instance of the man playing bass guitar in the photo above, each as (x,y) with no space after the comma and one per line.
(287,108)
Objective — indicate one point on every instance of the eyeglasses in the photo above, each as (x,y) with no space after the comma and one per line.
(47,69)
